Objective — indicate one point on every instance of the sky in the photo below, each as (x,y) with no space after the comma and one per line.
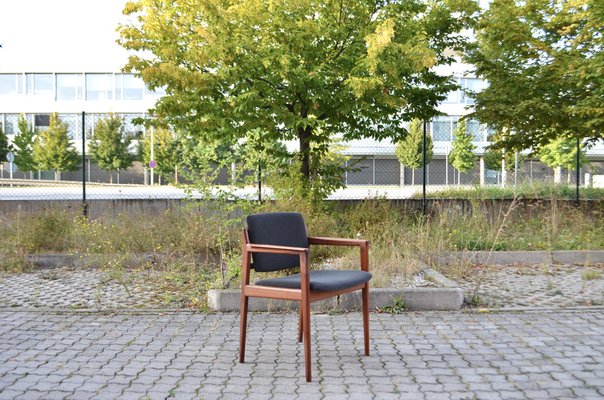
(61,36)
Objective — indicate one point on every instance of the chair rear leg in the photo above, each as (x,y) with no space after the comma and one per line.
(242,326)
(366,317)
(300,324)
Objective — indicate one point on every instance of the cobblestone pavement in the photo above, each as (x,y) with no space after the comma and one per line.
(456,355)
(535,285)
(68,287)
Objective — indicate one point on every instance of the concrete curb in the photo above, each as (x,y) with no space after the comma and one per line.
(449,296)
(523,257)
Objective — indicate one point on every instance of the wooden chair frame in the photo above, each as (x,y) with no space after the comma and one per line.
(304,295)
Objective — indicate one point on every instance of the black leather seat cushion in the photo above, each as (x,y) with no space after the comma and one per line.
(324,280)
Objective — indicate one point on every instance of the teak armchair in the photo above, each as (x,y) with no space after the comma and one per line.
(279,241)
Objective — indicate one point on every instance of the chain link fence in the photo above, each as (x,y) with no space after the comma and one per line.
(373,169)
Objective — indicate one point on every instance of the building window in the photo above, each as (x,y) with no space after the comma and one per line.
(476,130)
(70,87)
(441,129)
(39,84)
(99,87)
(452,96)
(10,124)
(471,85)
(134,87)
(9,84)
(42,120)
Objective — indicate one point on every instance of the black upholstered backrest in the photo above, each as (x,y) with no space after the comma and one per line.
(280,229)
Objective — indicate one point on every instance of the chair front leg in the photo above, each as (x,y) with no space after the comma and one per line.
(365,295)
(305,310)
(242,326)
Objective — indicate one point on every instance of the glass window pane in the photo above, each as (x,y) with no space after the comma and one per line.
(441,129)
(39,84)
(8,84)
(70,121)
(69,86)
(133,87)
(10,124)
(99,87)
(42,120)
(475,130)
(472,85)
(452,96)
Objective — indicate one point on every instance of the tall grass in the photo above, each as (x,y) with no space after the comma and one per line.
(203,244)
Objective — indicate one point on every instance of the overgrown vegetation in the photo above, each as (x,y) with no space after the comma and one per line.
(523,191)
(200,244)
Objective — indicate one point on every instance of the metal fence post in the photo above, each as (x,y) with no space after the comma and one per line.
(578,172)
(424,170)
(84,203)
(260,181)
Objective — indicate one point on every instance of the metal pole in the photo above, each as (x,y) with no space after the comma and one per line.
(424,170)
(260,181)
(578,171)
(84,204)
(515,169)
(152,157)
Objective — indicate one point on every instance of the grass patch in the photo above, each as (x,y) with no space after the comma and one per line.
(591,274)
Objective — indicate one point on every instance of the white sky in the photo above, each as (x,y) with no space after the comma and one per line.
(63,35)
(60,35)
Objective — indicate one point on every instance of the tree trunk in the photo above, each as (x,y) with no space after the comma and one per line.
(176,174)
(413,177)
(110,176)
(558,174)
(118,176)
(304,139)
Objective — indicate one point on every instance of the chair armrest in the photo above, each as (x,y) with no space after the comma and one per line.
(362,244)
(267,248)
(338,241)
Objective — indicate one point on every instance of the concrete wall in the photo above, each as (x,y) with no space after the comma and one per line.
(493,208)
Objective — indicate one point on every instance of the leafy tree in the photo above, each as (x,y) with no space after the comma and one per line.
(53,150)
(257,152)
(462,155)
(302,70)
(24,145)
(543,61)
(409,151)
(561,153)
(493,159)
(109,146)
(166,151)
(4,145)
